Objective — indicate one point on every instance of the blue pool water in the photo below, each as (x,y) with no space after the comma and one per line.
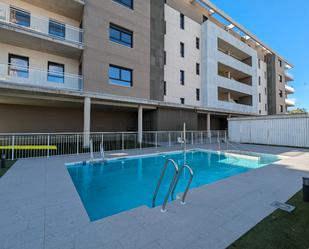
(117,185)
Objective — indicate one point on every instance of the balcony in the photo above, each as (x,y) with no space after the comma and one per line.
(69,8)
(289,89)
(234,74)
(288,76)
(35,77)
(289,102)
(234,52)
(20,28)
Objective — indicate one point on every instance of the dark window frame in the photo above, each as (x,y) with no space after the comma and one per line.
(197,43)
(182,50)
(56,24)
(20,11)
(55,75)
(164,88)
(122,31)
(17,68)
(130,83)
(182,21)
(198,94)
(123,2)
(197,68)
(182,101)
(182,77)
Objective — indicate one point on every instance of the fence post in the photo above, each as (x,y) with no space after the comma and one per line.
(192,142)
(201,137)
(13,144)
(48,143)
(77,144)
(169,139)
(210,135)
(156,139)
(122,141)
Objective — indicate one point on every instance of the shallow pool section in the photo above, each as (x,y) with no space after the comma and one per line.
(121,184)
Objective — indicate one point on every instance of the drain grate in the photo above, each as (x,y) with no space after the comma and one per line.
(283,206)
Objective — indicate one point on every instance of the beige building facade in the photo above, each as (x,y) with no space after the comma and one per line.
(134,65)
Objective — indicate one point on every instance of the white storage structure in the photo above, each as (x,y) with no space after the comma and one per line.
(282,130)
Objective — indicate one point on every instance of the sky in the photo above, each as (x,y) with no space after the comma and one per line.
(283,25)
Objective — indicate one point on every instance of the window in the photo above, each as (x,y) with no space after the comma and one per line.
(182,21)
(280,62)
(197,94)
(56,29)
(164,88)
(20,17)
(120,76)
(259,80)
(205,18)
(127,3)
(164,57)
(260,111)
(259,63)
(182,77)
(197,68)
(281,108)
(55,72)
(280,93)
(197,43)
(121,35)
(18,66)
(265,107)
(259,98)
(182,101)
(280,77)
(182,49)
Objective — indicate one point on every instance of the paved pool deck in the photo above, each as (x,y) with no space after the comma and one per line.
(40,208)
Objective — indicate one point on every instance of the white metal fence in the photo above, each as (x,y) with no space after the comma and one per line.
(282,130)
(16,146)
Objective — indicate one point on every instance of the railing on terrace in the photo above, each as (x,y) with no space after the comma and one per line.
(40,25)
(27,145)
(37,77)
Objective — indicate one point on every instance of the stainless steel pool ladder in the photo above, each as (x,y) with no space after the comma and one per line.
(173,183)
(183,198)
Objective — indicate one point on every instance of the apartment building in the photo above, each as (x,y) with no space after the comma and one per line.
(128,65)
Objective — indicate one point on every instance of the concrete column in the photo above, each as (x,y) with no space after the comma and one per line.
(208,124)
(140,124)
(228,96)
(87,115)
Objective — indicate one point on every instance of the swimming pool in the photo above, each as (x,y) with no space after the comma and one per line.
(118,185)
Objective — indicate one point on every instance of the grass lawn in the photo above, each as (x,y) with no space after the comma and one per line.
(280,230)
(9,164)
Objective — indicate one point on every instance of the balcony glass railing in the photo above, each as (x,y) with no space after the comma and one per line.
(40,25)
(27,76)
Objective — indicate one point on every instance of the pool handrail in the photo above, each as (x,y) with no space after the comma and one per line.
(167,162)
(183,198)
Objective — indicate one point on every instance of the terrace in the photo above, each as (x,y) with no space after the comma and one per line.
(47,211)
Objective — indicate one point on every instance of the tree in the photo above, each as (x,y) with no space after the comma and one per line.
(298,111)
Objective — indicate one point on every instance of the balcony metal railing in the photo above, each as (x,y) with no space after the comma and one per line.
(41,25)
(40,78)
(288,76)
(289,102)
(289,89)
(27,145)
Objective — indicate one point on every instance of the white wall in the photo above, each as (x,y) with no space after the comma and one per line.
(210,78)
(283,130)
(175,63)
(262,73)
